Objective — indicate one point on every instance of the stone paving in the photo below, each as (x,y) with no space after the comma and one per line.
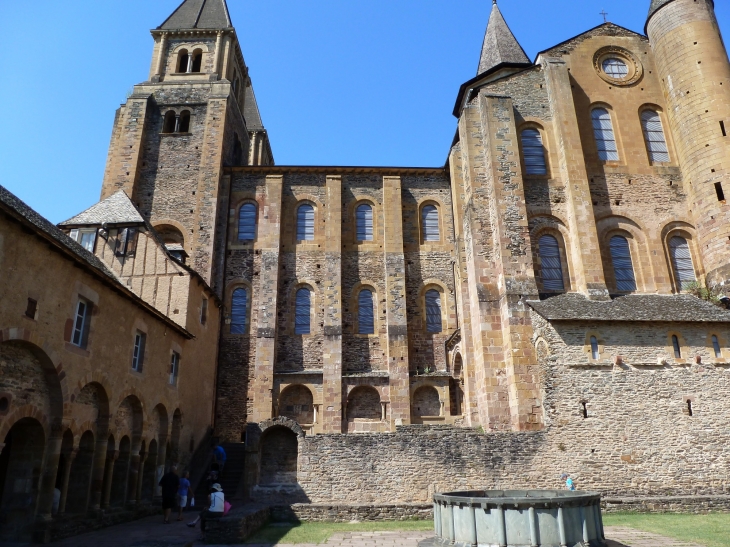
(151,532)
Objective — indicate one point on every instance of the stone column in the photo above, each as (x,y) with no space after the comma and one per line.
(190,63)
(70,457)
(97,473)
(226,57)
(140,478)
(332,293)
(133,475)
(48,474)
(108,476)
(177,123)
(217,61)
(266,300)
(584,245)
(161,57)
(395,297)
(160,470)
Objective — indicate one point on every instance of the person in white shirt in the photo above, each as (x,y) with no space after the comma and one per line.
(215,510)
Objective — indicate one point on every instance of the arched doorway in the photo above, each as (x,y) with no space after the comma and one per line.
(21,463)
(79,481)
(279,457)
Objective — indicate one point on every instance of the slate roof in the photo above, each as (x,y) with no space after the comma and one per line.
(500,45)
(639,307)
(116,209)
(251,111)
(202,14)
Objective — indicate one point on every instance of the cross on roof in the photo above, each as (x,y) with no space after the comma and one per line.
(605,16)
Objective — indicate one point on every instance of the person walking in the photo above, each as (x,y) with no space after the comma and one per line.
(216,508)
(219,458)
(183,492)
(170,483)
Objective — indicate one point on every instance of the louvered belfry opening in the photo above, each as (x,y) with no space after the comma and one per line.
(682,261)
(551,270)
(656,142)
(533,152)
(430,223)
(433,311)
(302,315)
(623,267)
(305,222)
(364,218)
(365,312)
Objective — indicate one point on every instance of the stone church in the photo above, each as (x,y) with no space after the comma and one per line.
(546,301)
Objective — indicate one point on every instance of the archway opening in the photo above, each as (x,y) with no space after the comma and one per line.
(297,403)
(279,456)
(21,462)
(148,472)
(426,403)
(121,471)
(79,481)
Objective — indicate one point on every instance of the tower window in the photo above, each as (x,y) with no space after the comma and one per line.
(533,152)
(364,217)
(170,120)
(433,312)
(605,137)
(722,128)
(719,191)
(183,59)
(197,61)
(682,262)
(689,408)
(184,126)
(595,354)
(656,143)
(239,311)
(247,222)
(430,220)
(305,223)
(623,267)
(615,68)
(551,271)
(302,315)
(365,312)
(677,348)
(716,347)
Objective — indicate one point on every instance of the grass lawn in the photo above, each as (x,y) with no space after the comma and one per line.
(712,530)
(320,532)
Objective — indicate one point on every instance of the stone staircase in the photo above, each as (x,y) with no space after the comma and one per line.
(231,476)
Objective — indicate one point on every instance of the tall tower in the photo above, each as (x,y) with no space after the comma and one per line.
(196,113)
(694,68)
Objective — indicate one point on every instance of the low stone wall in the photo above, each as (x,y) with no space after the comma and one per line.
(67,527)
(236,527)
(668,504)
(320,512)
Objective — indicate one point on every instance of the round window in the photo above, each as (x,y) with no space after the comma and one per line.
(615,68)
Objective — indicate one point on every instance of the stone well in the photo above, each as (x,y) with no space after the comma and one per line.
(519,518)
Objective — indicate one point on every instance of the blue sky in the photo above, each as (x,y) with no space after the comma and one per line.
(339,82)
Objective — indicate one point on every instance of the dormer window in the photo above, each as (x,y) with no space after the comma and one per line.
(126,244)
(85,237)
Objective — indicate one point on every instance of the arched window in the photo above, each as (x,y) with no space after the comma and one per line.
(550,268)
(682,261)
(605,137)
(168,125)
(433,311)
(184,122)
(197,60)
(365,312)
(305,222)
(183,60)
(716,347)
(247,222)
(623,268)
(364,215)
(239,311)
(677,348)
(656,143)
(533,152)
(430,223)
(302,313)
(594,348)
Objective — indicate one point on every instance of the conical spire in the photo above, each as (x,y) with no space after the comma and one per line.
(202,14)
(500,45)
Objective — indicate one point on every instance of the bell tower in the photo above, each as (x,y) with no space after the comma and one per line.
(172,137)
(693,64)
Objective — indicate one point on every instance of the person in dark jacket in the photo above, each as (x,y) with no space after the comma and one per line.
(170,483)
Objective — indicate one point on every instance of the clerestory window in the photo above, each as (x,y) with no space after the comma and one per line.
(623,267)
(533,152)
(604,135)
(656,142)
